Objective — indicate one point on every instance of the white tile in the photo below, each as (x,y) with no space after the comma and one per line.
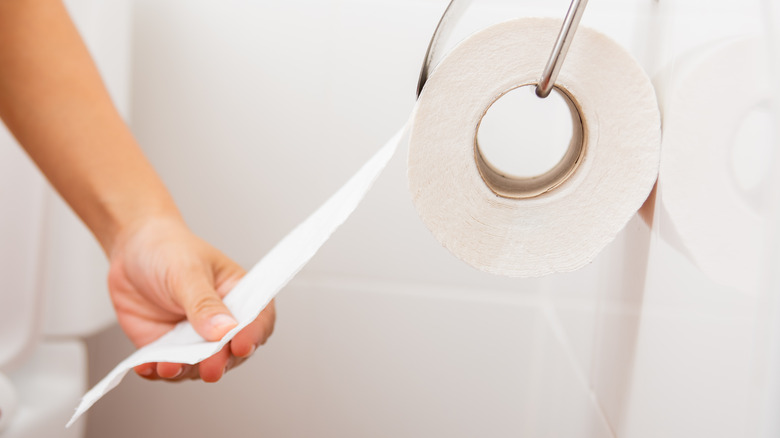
(692,367)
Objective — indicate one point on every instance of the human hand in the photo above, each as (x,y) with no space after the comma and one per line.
(161,274)
(54,102)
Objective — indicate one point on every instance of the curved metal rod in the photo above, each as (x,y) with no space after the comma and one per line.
(449,18)
(455,10)
(558,54)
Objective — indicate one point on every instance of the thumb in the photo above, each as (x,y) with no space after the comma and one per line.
(204,308)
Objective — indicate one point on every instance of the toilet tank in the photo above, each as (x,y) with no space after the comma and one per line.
(22,191)
(73,267)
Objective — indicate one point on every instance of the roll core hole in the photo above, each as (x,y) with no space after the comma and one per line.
(526,146)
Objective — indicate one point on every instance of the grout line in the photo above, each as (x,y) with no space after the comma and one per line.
(530,297)
(559,333)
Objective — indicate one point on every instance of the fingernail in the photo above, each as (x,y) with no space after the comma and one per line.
(146,372)
(251,351)
(181,371)
(221,321)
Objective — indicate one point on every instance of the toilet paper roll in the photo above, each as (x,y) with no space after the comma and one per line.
(8,402)
(615,167)
(710,218)
(557,221)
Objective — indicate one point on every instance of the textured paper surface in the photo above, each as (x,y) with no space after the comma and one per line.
(563,229)
(259,286)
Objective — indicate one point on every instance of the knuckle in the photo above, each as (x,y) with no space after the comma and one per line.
(269,330)
(205,304)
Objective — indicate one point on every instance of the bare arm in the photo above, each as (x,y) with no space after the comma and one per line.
(54,102)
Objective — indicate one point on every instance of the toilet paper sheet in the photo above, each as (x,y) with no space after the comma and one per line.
(259,286)
(559,230)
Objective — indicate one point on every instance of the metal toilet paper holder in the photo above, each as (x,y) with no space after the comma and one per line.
(546,82)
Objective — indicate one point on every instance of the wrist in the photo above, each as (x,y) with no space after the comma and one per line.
(129,221)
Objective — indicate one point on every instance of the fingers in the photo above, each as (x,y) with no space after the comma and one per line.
(256,333)
(169,370)
(203,306)
(213,368)
(231,355)
(147,370)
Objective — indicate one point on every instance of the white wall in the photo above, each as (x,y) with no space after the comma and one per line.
(254,112)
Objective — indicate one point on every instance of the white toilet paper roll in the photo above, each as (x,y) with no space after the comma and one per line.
(711,219)
(615,171)
(557,221)
(8,402)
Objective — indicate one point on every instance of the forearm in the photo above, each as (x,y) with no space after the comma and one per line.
(54,102)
